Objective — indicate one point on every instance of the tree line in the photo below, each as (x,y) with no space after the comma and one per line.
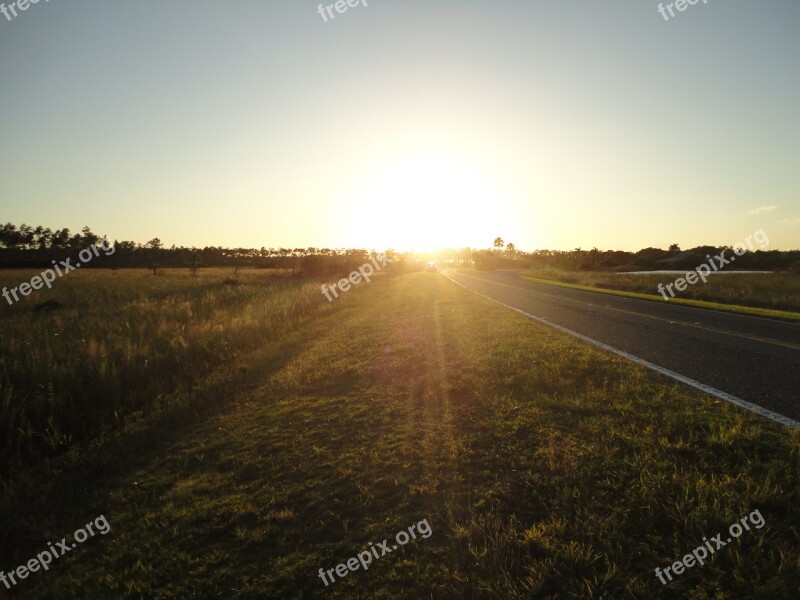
(504,255)
(36,247)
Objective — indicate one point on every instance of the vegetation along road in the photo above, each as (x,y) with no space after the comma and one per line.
(746,360)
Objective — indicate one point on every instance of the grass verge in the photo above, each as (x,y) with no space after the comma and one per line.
(752,311)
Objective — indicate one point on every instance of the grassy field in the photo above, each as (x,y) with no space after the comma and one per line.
(545,468)
(771,295)
(122,343)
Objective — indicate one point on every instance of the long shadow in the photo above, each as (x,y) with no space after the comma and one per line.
(58,494)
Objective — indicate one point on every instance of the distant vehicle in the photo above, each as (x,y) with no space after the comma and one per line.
(431,266)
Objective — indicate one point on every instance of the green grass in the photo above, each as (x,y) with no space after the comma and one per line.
(545,468)
(772,296)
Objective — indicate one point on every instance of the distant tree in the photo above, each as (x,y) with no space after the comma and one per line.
(511,248)
(88,237)
(499,243)
(60,238)
(9,236)
(674,248)
(154,246)
(26,233)
(75,242)
(43,237)
(485,260)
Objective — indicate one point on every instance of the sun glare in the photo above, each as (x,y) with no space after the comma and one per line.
(427,202)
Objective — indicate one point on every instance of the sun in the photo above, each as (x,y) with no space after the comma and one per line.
(426,202)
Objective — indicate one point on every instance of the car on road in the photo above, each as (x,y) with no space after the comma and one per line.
(431,266)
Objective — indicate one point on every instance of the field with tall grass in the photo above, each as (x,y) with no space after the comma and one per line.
(267,433)
(124,343)
(771,291)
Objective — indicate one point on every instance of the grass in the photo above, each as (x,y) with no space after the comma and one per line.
(121,343)
(545,468)
(768,295)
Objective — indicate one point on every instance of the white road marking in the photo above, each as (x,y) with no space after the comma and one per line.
(768,414)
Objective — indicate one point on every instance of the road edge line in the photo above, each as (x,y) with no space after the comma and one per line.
(763,412)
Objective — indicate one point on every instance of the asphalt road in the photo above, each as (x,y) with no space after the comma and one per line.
(741,358)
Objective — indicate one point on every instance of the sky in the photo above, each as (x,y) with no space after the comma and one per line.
(404,124)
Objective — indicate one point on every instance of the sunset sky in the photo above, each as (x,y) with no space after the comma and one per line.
(404,124)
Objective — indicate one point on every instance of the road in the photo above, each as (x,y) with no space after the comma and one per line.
(749,361)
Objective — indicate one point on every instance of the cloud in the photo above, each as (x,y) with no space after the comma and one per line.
(795,221)
(762,209)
